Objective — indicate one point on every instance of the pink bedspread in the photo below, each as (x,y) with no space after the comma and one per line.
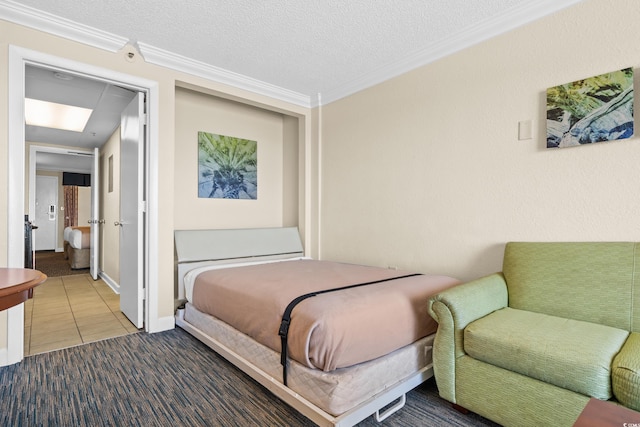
(328,331)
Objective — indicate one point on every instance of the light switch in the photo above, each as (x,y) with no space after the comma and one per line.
(524,130)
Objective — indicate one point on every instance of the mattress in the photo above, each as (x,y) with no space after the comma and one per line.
(67,233)
(79,237)
(329,331)
(334,392)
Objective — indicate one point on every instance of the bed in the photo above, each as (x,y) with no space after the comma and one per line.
(77,246)
(338,371)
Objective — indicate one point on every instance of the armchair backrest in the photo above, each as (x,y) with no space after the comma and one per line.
(589,281)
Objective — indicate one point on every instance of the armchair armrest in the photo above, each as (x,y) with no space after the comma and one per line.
(454,309)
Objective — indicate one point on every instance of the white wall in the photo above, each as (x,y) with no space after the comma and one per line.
(426,171)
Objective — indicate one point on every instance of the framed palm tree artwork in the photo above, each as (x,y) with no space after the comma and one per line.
(227,167)
(591,110)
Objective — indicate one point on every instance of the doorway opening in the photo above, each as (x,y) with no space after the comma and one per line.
(19,60)
(52,221)
(74,310)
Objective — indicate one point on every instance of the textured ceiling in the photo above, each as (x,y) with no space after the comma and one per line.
(305,46)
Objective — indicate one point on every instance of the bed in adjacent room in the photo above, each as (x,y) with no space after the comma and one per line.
(356,339)
(77,246)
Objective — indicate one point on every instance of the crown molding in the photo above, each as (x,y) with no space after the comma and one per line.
(191,66)
(43,21)
(482,31)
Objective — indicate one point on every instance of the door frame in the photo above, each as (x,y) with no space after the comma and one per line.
(132,217)
(18,58)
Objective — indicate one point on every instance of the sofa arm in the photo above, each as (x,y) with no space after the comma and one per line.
(454,309)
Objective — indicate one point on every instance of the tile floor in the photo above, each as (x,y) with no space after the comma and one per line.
(72,310)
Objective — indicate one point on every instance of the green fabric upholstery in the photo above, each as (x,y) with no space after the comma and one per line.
(593,282)
(626,373)
(574,334)
(511,399)
(547,347)
(453,311)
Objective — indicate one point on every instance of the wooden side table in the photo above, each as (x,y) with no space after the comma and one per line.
(16,285)
(600,413)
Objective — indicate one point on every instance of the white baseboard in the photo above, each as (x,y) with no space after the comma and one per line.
(4,357)
(162,324)
(109,281)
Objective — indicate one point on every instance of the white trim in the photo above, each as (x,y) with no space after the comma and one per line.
(164,323)
(319,178)
(18,58)
(15,335)
(513,18)
(153,323)
(183,64)
(110,282)
(16,154)
(52,24)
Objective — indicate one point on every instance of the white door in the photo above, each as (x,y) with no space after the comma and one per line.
(46,213)
(131,221)
(95,213)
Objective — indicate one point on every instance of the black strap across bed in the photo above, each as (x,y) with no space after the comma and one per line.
(286,316)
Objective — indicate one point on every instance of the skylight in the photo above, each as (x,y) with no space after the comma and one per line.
(57,116)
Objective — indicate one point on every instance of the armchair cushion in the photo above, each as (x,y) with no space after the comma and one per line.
(547,348)
(626,373)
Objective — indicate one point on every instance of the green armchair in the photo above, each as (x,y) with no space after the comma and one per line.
(532,344)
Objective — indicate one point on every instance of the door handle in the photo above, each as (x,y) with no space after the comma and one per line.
(118,223)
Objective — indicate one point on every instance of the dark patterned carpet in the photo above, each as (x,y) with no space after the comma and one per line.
(53,264)
(167,379)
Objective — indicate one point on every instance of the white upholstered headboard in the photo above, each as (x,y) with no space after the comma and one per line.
(198,248)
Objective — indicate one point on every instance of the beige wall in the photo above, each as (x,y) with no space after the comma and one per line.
(110,209)
(84,205)
(201,112)
(426,171)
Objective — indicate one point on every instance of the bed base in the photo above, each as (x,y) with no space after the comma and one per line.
(378,405)
(79,258)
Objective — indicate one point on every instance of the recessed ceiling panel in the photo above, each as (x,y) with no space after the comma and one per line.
(107,101)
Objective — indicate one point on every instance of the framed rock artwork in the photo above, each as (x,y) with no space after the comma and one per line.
(592,110)
(227,167)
